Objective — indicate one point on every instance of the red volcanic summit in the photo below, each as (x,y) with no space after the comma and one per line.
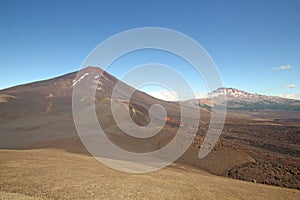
(92,69)
(95,71)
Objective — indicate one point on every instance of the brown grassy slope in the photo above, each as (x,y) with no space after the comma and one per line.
(56,174)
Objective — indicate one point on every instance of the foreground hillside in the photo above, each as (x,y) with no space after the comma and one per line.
(56,174)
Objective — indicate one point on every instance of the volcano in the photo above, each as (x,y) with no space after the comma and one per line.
(256,141)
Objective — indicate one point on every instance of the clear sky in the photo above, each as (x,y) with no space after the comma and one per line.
(255,44)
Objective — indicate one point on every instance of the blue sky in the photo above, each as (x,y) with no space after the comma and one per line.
(248,40)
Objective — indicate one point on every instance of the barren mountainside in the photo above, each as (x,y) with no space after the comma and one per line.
(260,136)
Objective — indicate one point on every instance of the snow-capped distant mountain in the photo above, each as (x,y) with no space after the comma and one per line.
(238,99)
(240,95)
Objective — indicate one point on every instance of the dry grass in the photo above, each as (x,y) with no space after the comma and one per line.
(56,174)
(4,98)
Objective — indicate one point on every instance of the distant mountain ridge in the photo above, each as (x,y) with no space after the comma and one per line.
(241,100)
(233,93)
